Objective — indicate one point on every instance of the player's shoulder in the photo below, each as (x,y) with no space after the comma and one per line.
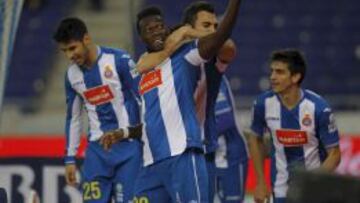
(118,52)
(317,99)
(261,98)
(186,47)
(72,71)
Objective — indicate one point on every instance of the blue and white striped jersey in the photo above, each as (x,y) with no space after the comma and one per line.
(232,144)
(299,136)
(168,108)
(106,92)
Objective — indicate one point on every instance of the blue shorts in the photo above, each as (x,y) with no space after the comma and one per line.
(279,199)
(231,182)
(108,175)
(211,170)
(182,178)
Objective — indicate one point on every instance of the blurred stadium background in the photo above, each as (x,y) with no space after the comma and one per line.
(33,111)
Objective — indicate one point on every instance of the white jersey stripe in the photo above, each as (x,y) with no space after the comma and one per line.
(167,97)
(312,161)
(148,157)
(273,110)
(221,153)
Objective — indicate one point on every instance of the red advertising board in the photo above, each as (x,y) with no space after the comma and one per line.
(46,146)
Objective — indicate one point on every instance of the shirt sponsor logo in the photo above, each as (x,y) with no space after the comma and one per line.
(150,81)
(291,138)
(99,95)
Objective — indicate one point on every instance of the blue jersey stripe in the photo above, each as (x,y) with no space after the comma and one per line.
(289,120)
(273,169)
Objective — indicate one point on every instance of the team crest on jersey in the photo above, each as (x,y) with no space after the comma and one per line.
(307,121)
(108,72)
(291,138)
(150,81)
(99,95)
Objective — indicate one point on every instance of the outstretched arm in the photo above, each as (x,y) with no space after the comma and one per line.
(173,42)
(209,45)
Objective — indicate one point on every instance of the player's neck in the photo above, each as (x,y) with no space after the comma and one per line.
(93,54)
(291,97)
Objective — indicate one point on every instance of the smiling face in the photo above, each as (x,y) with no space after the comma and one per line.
(76,51)
(153,32)
(281,78)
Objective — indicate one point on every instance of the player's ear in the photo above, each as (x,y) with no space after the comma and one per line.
(87,39)
(296,77)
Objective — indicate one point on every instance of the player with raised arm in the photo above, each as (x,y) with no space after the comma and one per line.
(202,18)
(99,79)
(175,169)
(301,125)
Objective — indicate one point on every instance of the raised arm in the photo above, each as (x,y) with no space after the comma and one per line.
(209,45)
(173,42)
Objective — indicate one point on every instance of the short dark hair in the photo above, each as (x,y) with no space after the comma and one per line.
(189,15)
(295,60)
(70,29)
(146,12)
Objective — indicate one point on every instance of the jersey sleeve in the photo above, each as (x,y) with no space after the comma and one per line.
(192,55)
(258,124)
(328,131)
(125,66)
(73,124)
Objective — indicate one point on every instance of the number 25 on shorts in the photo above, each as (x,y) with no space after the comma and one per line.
(91,190)
(141,200)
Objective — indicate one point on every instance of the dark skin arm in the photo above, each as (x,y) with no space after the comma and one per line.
(111,137)
(179,36)
(209,45)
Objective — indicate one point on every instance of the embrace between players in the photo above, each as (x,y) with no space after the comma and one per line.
(156,128)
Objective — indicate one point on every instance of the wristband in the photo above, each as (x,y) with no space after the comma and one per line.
(126,132)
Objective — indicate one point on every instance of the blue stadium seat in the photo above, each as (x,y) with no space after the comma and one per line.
(33,50)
